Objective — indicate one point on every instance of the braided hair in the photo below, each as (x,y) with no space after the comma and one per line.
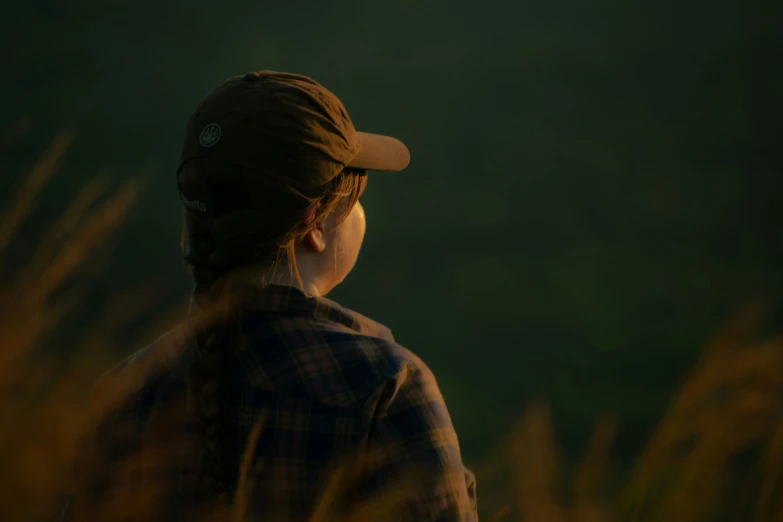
(212,256)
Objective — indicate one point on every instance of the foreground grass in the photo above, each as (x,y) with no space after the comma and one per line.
(717,454)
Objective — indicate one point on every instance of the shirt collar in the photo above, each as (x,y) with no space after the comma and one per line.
(289,300)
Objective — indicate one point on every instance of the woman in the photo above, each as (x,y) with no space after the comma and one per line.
(287,386)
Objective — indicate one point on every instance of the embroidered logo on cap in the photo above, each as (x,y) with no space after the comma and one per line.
(193,204)
(209,135)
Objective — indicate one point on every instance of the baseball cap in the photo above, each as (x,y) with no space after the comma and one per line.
(284,126)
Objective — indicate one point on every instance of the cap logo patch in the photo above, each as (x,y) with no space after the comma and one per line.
(193,204)
(209,135)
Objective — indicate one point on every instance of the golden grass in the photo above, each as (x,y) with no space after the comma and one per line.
(729,410)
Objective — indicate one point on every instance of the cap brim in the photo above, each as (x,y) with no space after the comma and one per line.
(382,153)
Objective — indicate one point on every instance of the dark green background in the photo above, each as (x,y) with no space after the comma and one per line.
(594,190)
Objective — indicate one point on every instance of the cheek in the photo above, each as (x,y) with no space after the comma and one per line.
(352,232)
(361,222)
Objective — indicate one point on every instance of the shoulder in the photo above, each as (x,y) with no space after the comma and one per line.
(125,396)
(411,385)
(381,356)
(401,378)
(140,368)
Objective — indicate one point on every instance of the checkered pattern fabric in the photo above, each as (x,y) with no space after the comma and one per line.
(329,389)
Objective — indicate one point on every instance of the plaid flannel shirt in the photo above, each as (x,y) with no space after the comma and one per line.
(327,385)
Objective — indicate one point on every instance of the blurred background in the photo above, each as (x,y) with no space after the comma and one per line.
(594,187)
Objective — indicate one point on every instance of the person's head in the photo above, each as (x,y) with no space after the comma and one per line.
(270,177)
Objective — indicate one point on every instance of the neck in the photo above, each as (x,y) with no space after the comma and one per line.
(283,275)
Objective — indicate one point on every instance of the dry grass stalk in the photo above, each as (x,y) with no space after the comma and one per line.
(730,402)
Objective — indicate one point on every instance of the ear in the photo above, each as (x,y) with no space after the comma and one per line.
(316,239)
